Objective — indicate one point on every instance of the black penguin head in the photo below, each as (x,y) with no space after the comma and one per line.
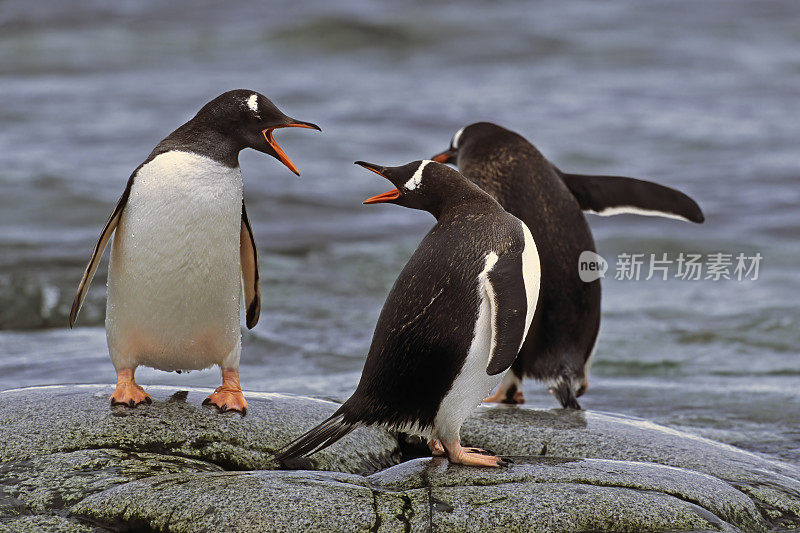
(250,118)
(480,135)
(425,185)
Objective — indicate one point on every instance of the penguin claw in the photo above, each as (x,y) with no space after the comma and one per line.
(130,396)
(228,396)
(127,392)
(227,400)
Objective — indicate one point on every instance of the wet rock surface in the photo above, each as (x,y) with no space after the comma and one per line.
(774,485)
(70,463)
(68,418)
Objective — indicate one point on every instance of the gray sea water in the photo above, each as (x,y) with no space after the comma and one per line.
(704,97)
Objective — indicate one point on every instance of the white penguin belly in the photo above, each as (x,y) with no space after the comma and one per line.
(174,281)
(473,384)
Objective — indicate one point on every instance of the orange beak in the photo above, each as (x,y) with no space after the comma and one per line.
(278,150)
(444,157)
(388,196)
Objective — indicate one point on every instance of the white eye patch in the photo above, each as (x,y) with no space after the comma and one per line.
(416,179)
(252,103)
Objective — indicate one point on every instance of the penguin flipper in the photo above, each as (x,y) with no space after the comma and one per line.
(97,253)
(250,279)
(505,288)
(616,195)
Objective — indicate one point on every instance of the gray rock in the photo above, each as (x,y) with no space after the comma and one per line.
(40,524)
(58,480)
(78,417)
(573,494)
(238,501)
(425,494)
(514,431)
(174,466)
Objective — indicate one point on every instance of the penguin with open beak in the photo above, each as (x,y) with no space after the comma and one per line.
(560,345)
(453,322)
(183,248)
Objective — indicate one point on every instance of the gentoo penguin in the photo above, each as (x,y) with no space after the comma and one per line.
(453,322)
(183,248)
(560,344)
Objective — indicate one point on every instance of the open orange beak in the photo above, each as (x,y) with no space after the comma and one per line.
(388,196)
(268,135)
(445,157)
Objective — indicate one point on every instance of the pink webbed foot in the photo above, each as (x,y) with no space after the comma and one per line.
(228,396)
(502,397)
(471,456)
(128,393)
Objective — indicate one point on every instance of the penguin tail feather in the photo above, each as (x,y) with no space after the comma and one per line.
(319,438)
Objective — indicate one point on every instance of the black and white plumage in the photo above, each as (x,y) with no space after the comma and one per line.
(453,322)
(183,249)
(561,342)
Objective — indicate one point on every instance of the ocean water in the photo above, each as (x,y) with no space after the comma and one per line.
(703,97)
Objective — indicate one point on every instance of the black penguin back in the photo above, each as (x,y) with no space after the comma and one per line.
(529,187)
(427,324)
